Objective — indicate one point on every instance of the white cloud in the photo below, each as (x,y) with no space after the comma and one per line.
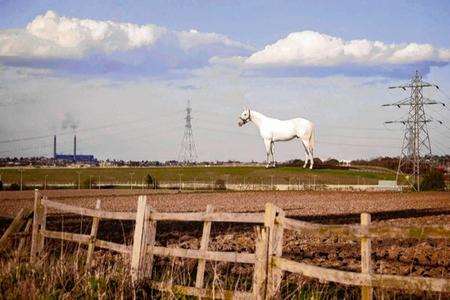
(314,49)
(54,36)
(85,46)
(232,61)
(193,38)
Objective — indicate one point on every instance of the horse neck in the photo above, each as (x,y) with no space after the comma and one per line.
(257,117)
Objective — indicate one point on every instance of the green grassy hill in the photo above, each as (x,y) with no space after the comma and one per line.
(249,174)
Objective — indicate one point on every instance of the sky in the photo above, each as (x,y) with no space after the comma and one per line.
(119,74)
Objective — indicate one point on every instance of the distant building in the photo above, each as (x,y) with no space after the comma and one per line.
(75,158)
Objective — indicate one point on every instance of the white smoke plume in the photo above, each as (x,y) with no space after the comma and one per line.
(70,121)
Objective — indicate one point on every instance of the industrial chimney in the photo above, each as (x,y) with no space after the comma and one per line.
(54,147)
(75,148)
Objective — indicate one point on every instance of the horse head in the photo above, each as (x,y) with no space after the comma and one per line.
(245,117)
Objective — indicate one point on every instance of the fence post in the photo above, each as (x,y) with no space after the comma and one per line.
(139,240)
(151,236)
(275,247)
(93,236)
(40,245)
(203,246)
(260,271)
(366,251)
(38,220)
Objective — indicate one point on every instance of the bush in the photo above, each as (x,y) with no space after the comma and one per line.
(151,182)
(433,180)
(293,163)
(107,186)
(332,162)
(317,161)
(220,184)
(88,183)
(14,187)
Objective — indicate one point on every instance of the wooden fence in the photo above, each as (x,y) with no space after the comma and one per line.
(267,260)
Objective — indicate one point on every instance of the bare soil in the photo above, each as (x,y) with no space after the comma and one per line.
(329,205)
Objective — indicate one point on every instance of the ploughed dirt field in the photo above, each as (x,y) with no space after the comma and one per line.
(426,257)
(329,206)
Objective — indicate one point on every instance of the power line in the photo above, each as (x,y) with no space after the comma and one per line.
(150,122)
(127,138)
(317,141)
(87,129)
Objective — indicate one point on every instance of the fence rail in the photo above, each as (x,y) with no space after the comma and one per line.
(209,216)
(372,231)
(353,278)
(86,239)
(269,265)
(88,211)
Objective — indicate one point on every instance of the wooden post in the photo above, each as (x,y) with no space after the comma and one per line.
(140,262)
(366,251)
(151,236)
(38,222)
(40,245)
(203,246)
(260,271)
(274,274)
(93,236)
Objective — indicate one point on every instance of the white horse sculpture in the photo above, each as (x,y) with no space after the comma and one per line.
(273,130)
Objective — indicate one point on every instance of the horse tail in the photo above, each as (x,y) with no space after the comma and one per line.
(312,138)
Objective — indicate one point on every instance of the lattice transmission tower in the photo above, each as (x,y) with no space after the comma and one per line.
(416,155)
(188,151)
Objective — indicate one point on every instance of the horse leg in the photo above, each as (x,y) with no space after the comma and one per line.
(268,145)
(311,151)
(308,150)
(306,154)
(272,151)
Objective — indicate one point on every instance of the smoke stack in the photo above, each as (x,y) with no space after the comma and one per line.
(75,147)
(54,147)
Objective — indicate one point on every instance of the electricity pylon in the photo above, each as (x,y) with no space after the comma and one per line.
(416,152)
(188,151)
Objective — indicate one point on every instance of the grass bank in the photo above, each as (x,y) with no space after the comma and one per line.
(239,174)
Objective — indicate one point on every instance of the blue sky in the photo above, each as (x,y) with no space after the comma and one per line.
(327,61)
(260,22)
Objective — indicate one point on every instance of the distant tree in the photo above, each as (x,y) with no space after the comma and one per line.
(293,163)
(317,161)
(433,180)
(332,162)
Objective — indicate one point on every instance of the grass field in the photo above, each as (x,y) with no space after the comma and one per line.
(249,174)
